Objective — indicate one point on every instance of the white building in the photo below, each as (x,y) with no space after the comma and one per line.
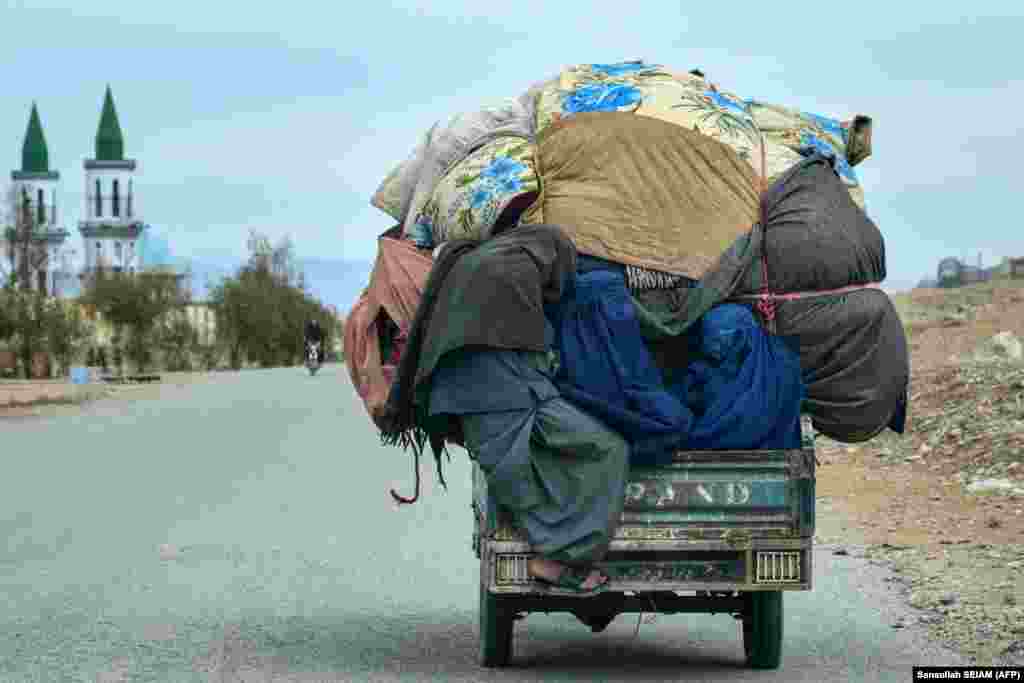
(33,198)
(112,223)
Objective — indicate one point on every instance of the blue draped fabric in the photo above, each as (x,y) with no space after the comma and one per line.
(745,389)
(606,369)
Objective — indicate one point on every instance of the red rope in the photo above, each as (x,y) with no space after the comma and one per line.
(794,296)
(402,500)
(766,302)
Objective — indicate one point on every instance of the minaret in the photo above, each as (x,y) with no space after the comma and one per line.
(112,224)
(35,185)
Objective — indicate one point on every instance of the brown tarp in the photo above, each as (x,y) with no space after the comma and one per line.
(396,286)
(643,192)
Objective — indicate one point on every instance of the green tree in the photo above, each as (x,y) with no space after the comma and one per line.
(67,332)
(238,315)
(262,309)
(29,316)
(135,305)
(178,338)
(7,321)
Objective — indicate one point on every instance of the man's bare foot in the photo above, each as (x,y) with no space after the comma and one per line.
(550,571)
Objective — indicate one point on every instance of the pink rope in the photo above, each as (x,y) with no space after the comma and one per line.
(793,296)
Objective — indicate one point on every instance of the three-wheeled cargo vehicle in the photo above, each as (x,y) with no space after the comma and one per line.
(713,532)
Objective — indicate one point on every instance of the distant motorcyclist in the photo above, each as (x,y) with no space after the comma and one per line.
(315,333)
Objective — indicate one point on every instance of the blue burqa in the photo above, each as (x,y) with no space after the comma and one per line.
(745,388)
(605,368)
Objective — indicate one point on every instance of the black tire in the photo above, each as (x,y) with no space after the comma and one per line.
(762,629)
(599,622)
(496,626)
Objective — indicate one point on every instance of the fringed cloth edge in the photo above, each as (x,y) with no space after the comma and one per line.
(416,438)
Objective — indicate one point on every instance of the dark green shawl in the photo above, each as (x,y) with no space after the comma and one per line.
(668,313)
(485,294)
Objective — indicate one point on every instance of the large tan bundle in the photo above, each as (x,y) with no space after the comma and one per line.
(474,175)
(694,102)
(643,192)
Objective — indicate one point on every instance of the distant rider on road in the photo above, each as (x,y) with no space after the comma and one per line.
(315,333)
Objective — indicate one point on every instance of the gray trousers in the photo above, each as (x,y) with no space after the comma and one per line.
(560,472)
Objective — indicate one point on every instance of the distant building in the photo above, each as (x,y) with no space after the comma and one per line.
(973,274)
(34,189)
(954,273)
(949,272)
(112,223)
(1016,267)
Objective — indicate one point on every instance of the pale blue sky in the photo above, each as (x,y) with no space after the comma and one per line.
(285,116)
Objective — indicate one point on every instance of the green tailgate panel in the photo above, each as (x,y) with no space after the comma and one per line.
(708,486)
(720,488)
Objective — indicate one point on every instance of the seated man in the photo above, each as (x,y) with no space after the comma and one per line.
(478,357)
(559,471)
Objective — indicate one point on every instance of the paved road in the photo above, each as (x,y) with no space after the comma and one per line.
(284,559)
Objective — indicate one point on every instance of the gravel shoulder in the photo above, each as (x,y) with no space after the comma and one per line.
(942,506)
(955,559)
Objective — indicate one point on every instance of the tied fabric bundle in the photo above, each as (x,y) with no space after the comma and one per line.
(823,262)
(396,286)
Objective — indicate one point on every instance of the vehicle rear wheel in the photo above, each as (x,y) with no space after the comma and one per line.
(496,626)
(762,629)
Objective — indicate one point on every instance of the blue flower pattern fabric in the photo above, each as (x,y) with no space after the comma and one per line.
(504,174)
(811,144)
(601,97)
(828,125)
(503,167)
(736,107)
(472,194)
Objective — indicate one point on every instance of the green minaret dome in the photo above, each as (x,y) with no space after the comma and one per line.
(109,142)
(34,156)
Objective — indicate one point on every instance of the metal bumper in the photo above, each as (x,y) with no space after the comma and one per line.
(660,568)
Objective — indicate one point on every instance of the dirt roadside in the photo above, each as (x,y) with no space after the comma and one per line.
(943,505)
(73,399)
